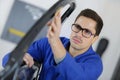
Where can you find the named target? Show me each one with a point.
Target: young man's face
(77, 40)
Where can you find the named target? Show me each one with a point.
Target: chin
(75, 46)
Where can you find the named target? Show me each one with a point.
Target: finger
(28, 60)
(57, 18)
(54, 26)
(58, 11)
(25, 60)
(50, 32)
(57, 14)
(49, 23)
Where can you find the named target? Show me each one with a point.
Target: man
(69, 59)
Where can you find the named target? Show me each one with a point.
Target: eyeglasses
(85, 32)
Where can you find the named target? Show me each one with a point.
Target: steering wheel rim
(16, 59)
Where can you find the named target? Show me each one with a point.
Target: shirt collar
(88, 52)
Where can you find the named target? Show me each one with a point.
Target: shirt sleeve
(5, 59)
(90, 69)
(37, 49)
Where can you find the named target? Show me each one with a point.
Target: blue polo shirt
(87, 66)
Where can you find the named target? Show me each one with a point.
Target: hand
(53, 34)
(28, 60)
(54, 28)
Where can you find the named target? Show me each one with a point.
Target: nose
(79, 33)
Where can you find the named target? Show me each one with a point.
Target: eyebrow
(88, 30)
(84, 28)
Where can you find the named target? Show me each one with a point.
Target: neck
(75, 52)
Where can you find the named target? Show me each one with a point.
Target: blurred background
(18, 16)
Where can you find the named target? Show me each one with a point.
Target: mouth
(76, 40)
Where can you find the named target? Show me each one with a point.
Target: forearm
(58, 49)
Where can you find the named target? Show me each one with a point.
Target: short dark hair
(93, 15)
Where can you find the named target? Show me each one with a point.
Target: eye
(77, 26)
(87, 32)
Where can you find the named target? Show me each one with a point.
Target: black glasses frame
(85, 32)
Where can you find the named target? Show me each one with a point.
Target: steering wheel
(16, 56)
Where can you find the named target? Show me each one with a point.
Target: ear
(94, 39)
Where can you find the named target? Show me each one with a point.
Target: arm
(58, 49)
(89, 69)
(5, 59)
(34, 52)
(68, 67)
(27, 58)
